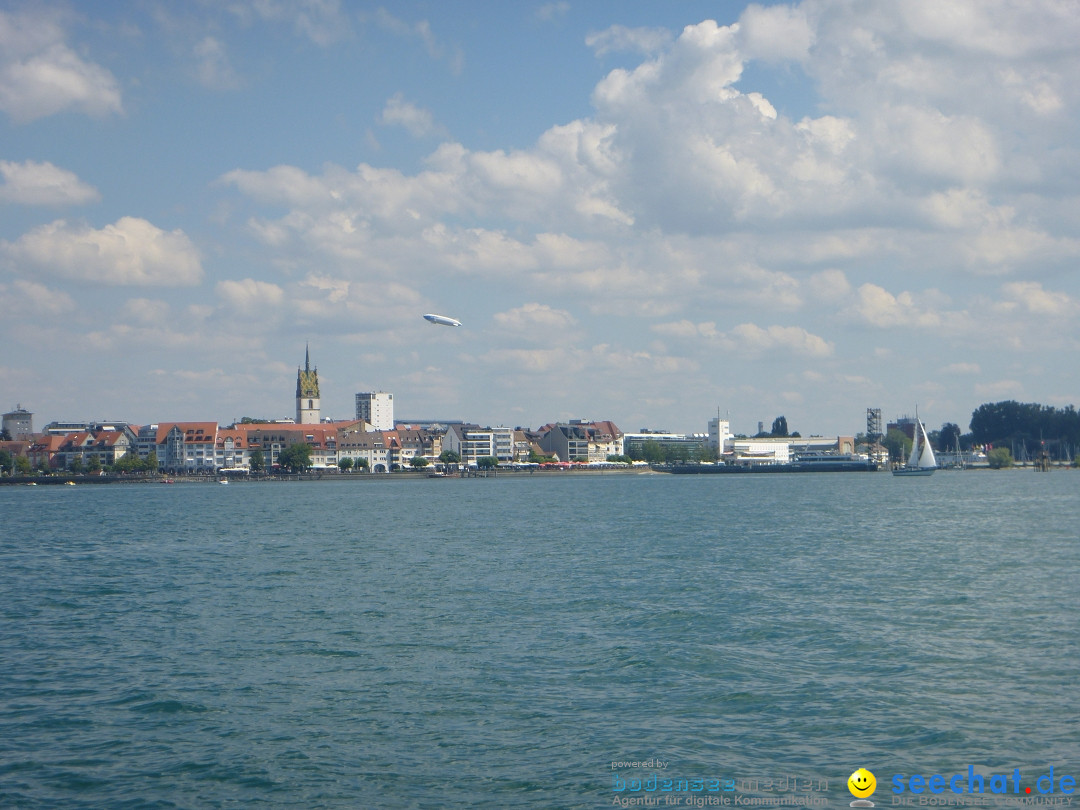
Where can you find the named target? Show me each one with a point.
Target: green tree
(999, 458)
(150, 463)
(620, 459)
(779, 427)
(43, 466)
(449, 457)
(93, 466)
(537, 458)
(256, 460)
(7, 462)
(77, 464)
(23, 466)
(652, 452)
(418, 462)
(948, 436)
(897, 444)
(345, 464)
(487, 463)
(362, 464)
(296, 457)
(248, 420)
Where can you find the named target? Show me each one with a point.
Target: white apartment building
(377, 409)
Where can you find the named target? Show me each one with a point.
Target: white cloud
(776, 33)
(1037, 301)
(324, 22)
(620, 39)
(417, 121)
(32, 183)
(249, 295)
(421, 31)
(781, 338)
(24, 299)
(551, 11)
(687, 329)
(213, 68)
(534, 317)
(829, 285)
(999, 389)
(40, 75)
(147, 311)
(130, 251)
(956, 369)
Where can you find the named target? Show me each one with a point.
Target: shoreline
(314, 477)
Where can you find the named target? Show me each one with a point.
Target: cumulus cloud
(249, 295)
(22, 299)
(792, 339)
(130, 251)
(32, 183)
(399, 112)
(1037, 301)
(40, 75)
(776, 33)
(536, 317)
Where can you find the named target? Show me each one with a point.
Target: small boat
(921, 461)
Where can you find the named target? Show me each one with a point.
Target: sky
(646, 212)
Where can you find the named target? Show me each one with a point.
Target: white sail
(926, 458)
(913, 459)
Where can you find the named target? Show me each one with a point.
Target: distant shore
(108, 478)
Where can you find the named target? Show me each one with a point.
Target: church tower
(307, 392)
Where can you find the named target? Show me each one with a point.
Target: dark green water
(500, 643)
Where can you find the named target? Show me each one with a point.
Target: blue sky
(641, 211)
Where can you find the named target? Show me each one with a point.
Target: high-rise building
(719, 435)
(376, 408)
(19, 424)
(307, 393)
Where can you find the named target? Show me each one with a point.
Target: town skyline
(638, 212)
(308, 368)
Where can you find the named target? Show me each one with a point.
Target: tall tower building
(19, 424)
(376, 408)
(307, 392)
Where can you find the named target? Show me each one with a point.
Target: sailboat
(921, 461)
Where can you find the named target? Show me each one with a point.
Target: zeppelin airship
(442, 320)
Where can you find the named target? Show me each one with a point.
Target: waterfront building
(370, 446)
(719, 437)
(685, 445)
(377, 408)
(181, 447)
(102, 447)
(766, 450)
(472, 442)
(273, 438)
(567, 442)
(19, 424)
(307, 393)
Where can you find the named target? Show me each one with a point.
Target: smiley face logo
(861, 783)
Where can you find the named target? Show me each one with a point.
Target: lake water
(502, 642)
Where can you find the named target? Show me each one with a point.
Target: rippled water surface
(500, 642)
